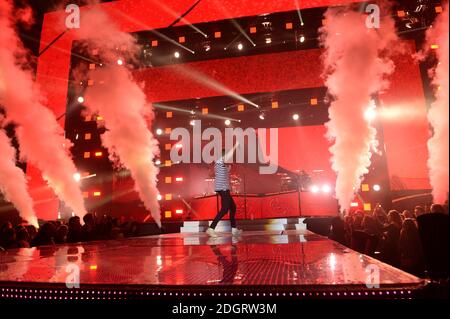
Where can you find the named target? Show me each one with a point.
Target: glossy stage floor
(294, 263)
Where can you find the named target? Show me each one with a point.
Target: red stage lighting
(179, 179)
(179, 211)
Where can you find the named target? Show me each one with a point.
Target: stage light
(354, 204)
(326, 188)
(96, 194)
(227, 122)
(77, 177)
(179, 211)
(159, 131)
(98, 154)
(370, 114)
(207, 47)
(240, 46)
(376, 188)
(302, 39)
(178, 179)
(80, 99)
(159, 197)
(268, 40)
(176, 54)
(158, 162)
(314, 188)
(120, 62)
(192, 122)
(262, 116)
(295, 117)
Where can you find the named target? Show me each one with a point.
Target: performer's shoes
(211, 232)
(236, 231)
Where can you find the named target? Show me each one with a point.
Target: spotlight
(120, 62)
(158, 162)
(314, 188)
(295, 117)
(354, 204)
(302, 39)
(80, 99)
(227, 122)
(370, 114)
(159, 197)
(176, 54)
(77, 177)
(326, 188)
(159, 131)
(268, 40)
(376, 188)
(207, 47)
(240, 46)
(262, 116)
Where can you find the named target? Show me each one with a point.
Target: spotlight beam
(159, 34)
(299, 12)
(234, 22)
(211, 83)
(180, 18)
(177, 109)
(170, 108)
(242, 32)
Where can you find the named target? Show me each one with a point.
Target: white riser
(278, 224)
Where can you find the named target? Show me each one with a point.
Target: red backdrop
(405, 141)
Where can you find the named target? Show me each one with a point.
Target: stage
(289, 264)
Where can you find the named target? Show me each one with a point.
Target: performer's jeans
(228, 204)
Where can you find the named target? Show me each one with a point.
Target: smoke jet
(13, 183)
(354, 69)
(438, 161)
(122, 103)
(40, 137)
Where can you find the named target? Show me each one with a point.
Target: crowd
(398, 239)
(58, 232)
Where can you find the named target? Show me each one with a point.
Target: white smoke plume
(438, 161)
(13, 183)
(355, 66)
(122, 103)
(41, 139)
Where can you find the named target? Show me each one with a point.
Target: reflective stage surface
(293, 258)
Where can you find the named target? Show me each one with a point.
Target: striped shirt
(222, 181)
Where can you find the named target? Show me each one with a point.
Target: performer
(222, 187)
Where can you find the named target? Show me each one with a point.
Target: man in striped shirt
(222, 187)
